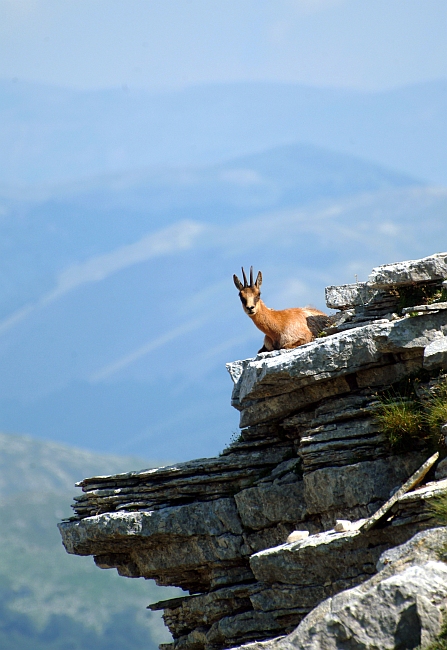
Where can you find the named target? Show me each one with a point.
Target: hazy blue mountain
(119, 320)
(50, 600)
(47, 230)
(51, 134)
(41, 466)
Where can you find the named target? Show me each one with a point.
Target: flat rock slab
(334, 356)
(435, 354)
(325, 558)
(400, 607)
(427, 269)
(204, 479)
(93, 535)
(358, 484)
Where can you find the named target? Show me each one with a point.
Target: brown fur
(283, 329)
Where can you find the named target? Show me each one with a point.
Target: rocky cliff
(311, 451)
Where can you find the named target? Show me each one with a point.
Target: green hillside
(49, 599)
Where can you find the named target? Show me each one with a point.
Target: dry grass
(400, 419)
(435, 410)
(438, 509)
(411, 418)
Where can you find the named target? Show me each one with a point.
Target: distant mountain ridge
(50, 134)
(125, 350)
(38, 466)
(42, 234)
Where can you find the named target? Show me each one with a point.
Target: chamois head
(249, 293)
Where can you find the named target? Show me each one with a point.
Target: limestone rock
(400, 607)
(348, 295)
(262, 506)
(204, 479)
(359, 483)
(427, 269)
(441, 470)
(297, 536)
(435, 354)
(327, 558)
(343, 525)
(306, 371)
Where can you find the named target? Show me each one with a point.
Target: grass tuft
(400, 419)
(412, 295)
(438, 509)
(413, 414)
(435, 411)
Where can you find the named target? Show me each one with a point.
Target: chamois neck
(265, 320)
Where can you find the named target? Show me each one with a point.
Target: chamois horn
(251, 276)
(245, 278)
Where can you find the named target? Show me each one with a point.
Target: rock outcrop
(310, 452)
(402, 606)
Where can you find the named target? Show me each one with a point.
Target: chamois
(284, 329)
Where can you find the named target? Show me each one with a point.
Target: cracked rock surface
(399, 607)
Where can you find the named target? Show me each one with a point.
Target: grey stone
(336, 355)
(427, 269)
(245, 626)
(400, 607)
(211, 518)
(435, 354)
(270, 537)
(424, 546)
(411, 483)
(441, 470)
(342, 443)
(280, 406)
(415, 506)
(326, 558)
(358, 484)
(268, 504)
(437, 306)
(281, 596)
(205, 479)
(283, 472)
(348, 295)
(182, 615)
(400, 612)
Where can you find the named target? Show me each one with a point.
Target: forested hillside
(50, 600)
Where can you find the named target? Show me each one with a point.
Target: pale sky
(150, 44)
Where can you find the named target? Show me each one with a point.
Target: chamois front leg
(268, 345)
(296, 344)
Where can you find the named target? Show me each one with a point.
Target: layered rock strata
(310, 452)
(400, 607)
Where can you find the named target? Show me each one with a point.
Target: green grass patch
(435, 408)
(411, 414)
(401, 420)
(438, 508)
(412, 295)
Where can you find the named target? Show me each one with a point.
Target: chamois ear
(238, 283)
(259, 280)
